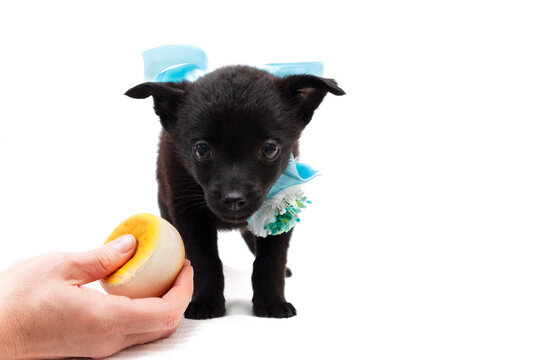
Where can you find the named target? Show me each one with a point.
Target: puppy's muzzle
(234, 201)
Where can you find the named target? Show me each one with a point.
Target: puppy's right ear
(306, 92)
(167, 98)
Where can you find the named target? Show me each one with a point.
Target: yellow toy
(156, 262)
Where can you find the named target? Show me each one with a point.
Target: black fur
(235, 110)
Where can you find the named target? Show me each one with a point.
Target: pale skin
(46, 312)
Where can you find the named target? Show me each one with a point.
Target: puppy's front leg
(199, 233)
(268, 277)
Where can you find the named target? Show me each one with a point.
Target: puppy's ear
(306, 92)
(167, 98)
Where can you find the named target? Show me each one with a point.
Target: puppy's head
(234, 130)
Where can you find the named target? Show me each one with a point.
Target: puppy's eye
(270, 150)
(201, 150)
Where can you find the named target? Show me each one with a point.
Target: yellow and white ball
(156, 262)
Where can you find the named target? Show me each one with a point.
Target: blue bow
(186, 62)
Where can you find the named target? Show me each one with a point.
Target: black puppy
(227, 139)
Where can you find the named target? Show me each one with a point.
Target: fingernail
(124, 244)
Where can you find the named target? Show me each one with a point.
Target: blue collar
(295, 174)
(280, 210)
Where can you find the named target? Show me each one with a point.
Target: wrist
(9, 345)
(11, 342)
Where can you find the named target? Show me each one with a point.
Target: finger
(135, 339)
(183, 278)
(146, 315)
(182, 288)
(96, 264)
(156, 314)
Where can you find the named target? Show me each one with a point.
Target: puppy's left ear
(167, 98)
(306, 92)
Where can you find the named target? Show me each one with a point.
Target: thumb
(96, 264)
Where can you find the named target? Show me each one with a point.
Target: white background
(424, 240)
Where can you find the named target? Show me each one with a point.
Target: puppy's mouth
(236, 217)
(235, 220)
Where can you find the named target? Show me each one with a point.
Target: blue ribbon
(186, 62)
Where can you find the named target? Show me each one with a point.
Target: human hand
(46, 312)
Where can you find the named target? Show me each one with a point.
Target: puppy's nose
(234, 201)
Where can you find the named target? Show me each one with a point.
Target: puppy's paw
(277, 310)
(200, 311)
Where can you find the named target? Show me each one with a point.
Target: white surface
(424, 240)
